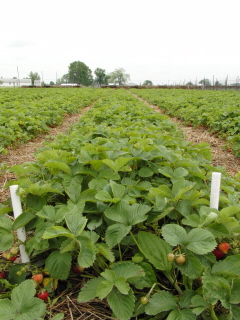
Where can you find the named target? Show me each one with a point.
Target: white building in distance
(10, 82)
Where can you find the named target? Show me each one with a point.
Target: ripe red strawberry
(13, 258)
(38, 278)
(219, 254)
(2, 275)
(77, 269)
(224, 247)
(43, 295)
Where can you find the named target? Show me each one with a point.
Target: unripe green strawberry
(138, 257)
(144, 300)
(14, 251)
(170, 257)
(235, 251)
(180, 259)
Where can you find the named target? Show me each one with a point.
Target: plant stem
(212, 313)
(174, 283)
(136, 241)
(120, 252)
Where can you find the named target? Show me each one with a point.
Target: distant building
(37, 82)
(10, 82)
(131, 84)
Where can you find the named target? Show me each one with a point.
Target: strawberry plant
(25, 114)
(123, 196)
(23, 304)
(216, 110)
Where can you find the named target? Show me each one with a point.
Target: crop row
(125, 199)
(25, 113)
(219, 111)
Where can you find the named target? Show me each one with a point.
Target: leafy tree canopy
(147, 83)
(34, 76)
(119, 76)
(79, 72)
(205, 82)
(101, 77)
(63, 79)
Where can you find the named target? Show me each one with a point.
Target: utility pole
(18, 77)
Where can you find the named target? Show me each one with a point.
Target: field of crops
(121, 205)
(218, 111)
(25, 113)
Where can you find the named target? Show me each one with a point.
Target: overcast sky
(162, 41)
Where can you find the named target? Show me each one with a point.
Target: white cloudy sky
(159, 40)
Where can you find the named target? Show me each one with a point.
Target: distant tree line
(80, 73)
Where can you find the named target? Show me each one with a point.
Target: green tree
(205, 82)
(51, 83)
(119, 76)
(217, 83)
(80, 73)
(147, 83)
(101, 77)
(34, 76)
(63, 79)
(189, 83)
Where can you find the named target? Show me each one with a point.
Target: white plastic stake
(21, 233)
(215, 190)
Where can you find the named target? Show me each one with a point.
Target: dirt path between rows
(25, 152)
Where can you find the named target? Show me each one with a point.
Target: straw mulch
(73, 310)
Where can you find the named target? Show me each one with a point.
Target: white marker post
(215, 190)
(21, 233)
